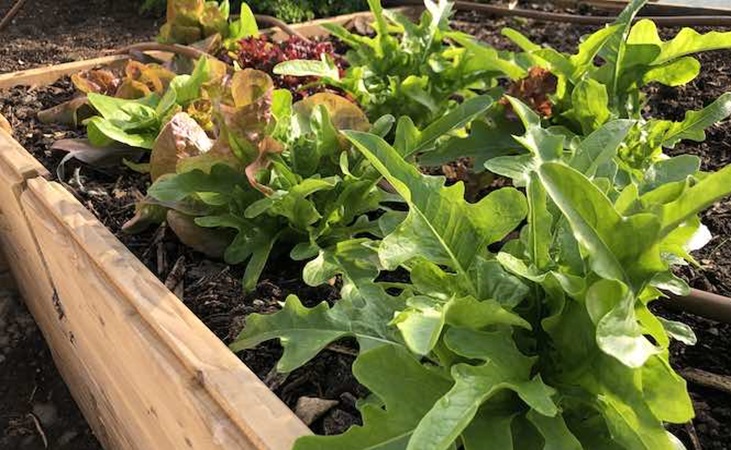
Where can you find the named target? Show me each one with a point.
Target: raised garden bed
(144, 369)
(214, 387)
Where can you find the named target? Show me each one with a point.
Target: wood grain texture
(24, 259)
(170, 382)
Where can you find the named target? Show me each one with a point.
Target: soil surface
(36, 410)
(213, 291)
(52, 32)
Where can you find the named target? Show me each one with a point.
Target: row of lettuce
(522, 317)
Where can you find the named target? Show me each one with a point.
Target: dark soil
(36, 410)
(213, 291)
(52, 32)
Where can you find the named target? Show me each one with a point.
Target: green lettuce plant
(278, 173)
(192, 21)
(420, 70)
(601, 82)
(545, 342)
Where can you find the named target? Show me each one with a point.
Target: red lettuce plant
(261, 53)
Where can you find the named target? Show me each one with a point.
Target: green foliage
(300, 185)
(633, 55)
(190, 21)
(138, 122)
(414, 69)
(300, 11)
(549, 342)
(603, 81)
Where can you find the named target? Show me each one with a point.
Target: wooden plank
(19, 248)
(29, 271)
(40, 76)
(170, 382)
(17, 160)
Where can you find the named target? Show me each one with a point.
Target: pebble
(46, 413)
(309, 409)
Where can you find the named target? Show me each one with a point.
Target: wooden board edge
(315, 28)
(46, 75)
(265, 420)
(18, 160)
(40, 76)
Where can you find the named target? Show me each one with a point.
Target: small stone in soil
(309, 409)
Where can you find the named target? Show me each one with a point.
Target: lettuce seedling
(138, 122)
(137, 81)
(604, 79)
(278, 172)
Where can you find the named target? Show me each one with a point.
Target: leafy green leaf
(304, 68)
(406, 387)
(695, 122)
(440, 225)
(618, 334)
(245, 26)
(618, 247)
(304, 332)
(504, 368)
(696, 198)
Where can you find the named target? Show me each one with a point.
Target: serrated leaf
(504, 368)
(304, 332)
(353, 259)
(441, 225)
(556, 435)
(695, 122)
(695, 199)
(408, 391)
